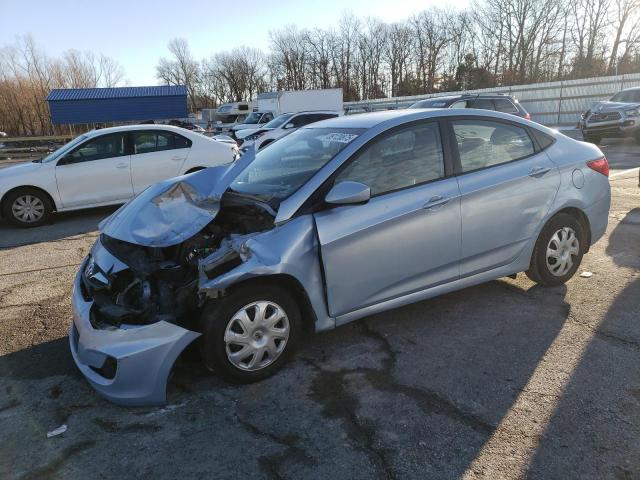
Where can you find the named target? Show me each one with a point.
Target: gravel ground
(504, 380)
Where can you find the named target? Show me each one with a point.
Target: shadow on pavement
(63, 225)
(595, 431)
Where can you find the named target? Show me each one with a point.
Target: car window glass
(408, 157)
(485, 143)
(302, 120)
(106, 146)
(504, 105)
(181, 142)
(460, 104)
(144, 142)
(483, 103)
(266, 118)
(164, 141)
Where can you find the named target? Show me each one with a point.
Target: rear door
(406, 237)
(507, 188)
(97, 171)
(157, 155)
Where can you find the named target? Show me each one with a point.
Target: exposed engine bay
(161, 283)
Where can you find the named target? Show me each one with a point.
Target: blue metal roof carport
(92, 105)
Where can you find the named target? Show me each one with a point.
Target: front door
(507, 190)
(406, 237)
(97, 171)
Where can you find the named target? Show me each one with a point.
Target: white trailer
(292, 101)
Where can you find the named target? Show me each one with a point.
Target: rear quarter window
(543, 140)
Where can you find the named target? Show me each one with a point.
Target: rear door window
(484, 143)
(157, 141)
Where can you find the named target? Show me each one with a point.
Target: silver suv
(618, 117)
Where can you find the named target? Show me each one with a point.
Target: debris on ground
(58, 431)
(586, 274)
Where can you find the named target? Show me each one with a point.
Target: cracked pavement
(503, 380)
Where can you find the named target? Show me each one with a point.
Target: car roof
(144, 126)
(397, 117)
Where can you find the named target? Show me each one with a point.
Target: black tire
(595, 139)
(217, 315)
(539, 270)
(41, 204)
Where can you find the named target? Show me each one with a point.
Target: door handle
(538, 171)
(176, 158)
(122, 165)
(436, 201)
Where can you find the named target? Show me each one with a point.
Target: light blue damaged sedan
(339, 220)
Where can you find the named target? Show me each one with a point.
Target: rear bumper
(598, 215)
(138, 359)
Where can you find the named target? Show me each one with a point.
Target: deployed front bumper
(130, 364)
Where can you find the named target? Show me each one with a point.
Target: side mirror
(288, 126)
(348, 193)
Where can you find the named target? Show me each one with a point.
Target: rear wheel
(27, 207)
(558, 251)
(250, 334)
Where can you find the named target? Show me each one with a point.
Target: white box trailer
(291, 101)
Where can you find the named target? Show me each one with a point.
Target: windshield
(253, 118)
(280, 120)
(65, 148)
(226, 118)
(630, 96)
(281, 169)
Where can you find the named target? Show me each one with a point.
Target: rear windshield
(630, 96)
(431, 103)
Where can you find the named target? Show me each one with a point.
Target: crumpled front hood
(602, 107)
(170, 212)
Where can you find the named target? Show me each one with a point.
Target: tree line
(27, 75)
(492, 43)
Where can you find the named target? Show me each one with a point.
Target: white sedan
(104, 167)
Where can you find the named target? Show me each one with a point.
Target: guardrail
(552, 103)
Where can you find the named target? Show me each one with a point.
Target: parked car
(494, 101)
(336, 221)
(617, 117)
(230, 114)
(104, 167)
(279, 127)
(254, 121)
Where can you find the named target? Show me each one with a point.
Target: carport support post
(560, 103)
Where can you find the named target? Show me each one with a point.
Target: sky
(136, 32)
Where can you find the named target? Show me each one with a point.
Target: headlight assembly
(634, 112)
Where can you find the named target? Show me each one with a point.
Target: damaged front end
(138, 295)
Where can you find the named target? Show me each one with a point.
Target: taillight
(600, 165)
(527, 116)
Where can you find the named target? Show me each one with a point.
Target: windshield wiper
(255, 199)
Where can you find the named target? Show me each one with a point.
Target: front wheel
(250, 334)
(558, 251)
(27, 207)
